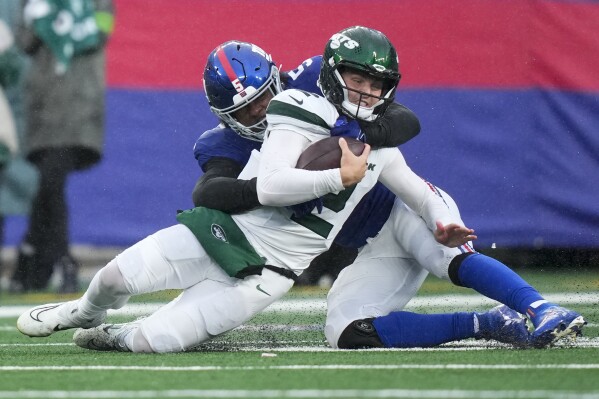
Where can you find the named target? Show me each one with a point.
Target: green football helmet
(368, 51)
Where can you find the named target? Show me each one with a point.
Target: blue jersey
(305, 76)
(373, 210)
(223, 142)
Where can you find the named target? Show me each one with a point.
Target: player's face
(363, 83)
(255, 111)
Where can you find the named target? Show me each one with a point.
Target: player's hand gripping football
(453, 235)
(353, 168)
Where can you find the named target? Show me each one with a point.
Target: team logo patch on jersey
(218, 232)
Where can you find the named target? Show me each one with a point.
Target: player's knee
(454, 268)
(139, 343)
(169, 331)
(111, 279)
(359, 334)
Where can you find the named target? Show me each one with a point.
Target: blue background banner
(507, 93)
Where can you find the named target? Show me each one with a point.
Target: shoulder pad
(225, 143)
(301, 111)
(305, 76)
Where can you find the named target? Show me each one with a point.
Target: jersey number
(334, 202)
(294, 74)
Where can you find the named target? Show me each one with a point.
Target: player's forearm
(219, 188)
(293, 186)
(226, 194)
(281, 184)
(397, 126)
(415, 193)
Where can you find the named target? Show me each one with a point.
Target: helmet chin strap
(357, 111)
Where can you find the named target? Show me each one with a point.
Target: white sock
(476, 324)
(107, 290)
(536, 304)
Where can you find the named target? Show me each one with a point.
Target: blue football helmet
(236, 74)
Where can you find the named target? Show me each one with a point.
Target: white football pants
(389, 270)
(212, 302)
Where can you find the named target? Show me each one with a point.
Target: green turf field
(282, 354)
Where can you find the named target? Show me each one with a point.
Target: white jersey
(296, 119)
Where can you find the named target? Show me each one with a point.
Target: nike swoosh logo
(37, 312)
(300, 102)
(108, 327)
(261, 290)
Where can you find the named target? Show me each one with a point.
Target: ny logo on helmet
(263, 53)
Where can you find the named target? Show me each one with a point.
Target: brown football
(326, 153)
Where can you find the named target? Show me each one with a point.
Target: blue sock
(409, 330)
(495, 280)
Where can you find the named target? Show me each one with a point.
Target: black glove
(398, 125)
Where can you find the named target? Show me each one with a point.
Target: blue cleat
(505, 325)
(555, 323)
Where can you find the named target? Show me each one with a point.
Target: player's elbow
(264, 199)
(197, 197)
(271, 187)
(266, 196)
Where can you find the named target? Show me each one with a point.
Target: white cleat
(45, 320)
(105, 337)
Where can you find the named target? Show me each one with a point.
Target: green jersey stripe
(283, 109)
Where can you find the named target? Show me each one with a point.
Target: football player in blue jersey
(222, 152)
(393, 286)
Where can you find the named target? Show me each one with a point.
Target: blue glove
(305, 208)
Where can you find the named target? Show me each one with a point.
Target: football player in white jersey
(233, 266)
(364, 306)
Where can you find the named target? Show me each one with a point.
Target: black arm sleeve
(220, 189)
(398, 125)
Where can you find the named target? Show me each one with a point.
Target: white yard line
(591, 366)
(308, 394)
(316, 346)
(319, 305)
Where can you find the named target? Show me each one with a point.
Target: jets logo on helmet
(339, 39)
